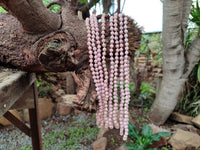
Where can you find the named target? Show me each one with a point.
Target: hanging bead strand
(90, 38)
(115, 94)
(111, 73)
(105, 71)
(107, 96)
(100, 71)
(121, 117)
(95, 74)
(126, 72)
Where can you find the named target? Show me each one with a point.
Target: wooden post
(35, 122)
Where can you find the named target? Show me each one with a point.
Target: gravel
(11, 138)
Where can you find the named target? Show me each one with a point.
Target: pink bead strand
(126, 72)
(111, 73)
(105, 71)
(116, 62)
(91, 57)
(121, 117)
(96, 74)
(100, 70)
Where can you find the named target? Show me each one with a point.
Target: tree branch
(192, 56)
(185, 15)
(33, 15)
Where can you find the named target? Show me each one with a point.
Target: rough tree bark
(31, 43)
(34, 39)
(177, 64)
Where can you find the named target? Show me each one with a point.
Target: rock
(63, 109)
(5, 122)
(45, 107)
(100, 144)
(157, 129)
(68, 99)
(183, 139)
(101, 132)
(123, 147)
(57, 93)
(185, 127)
(196, 121)
(181, 118)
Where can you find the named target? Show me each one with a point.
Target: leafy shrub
(43, 87)
(147, 94)
(146, 138)
(190, 103)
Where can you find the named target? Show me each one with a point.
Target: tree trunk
(42, 42)
(177, 65)
(35, 39)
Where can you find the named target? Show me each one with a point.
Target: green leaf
(198, 73)
(2, 10)
(134, 147)
(157, 136)
(133, 133)
(83, 1)
(147, 131)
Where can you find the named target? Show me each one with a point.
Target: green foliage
(146, 138)
(81, 131)
(113, 140)
(164, 148)
(77, 133)
(83, 1)
(29, 147)
(195, 14)
(193, 25)
(132, 87)
(147, 93)
(39, 82)
(52, 138)
(54, 8)
(190, 103)
(43, 87)
(152, 45)
(147, 89)
(132, 90)
(191, 34)
(198, 73)
(2, 10)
